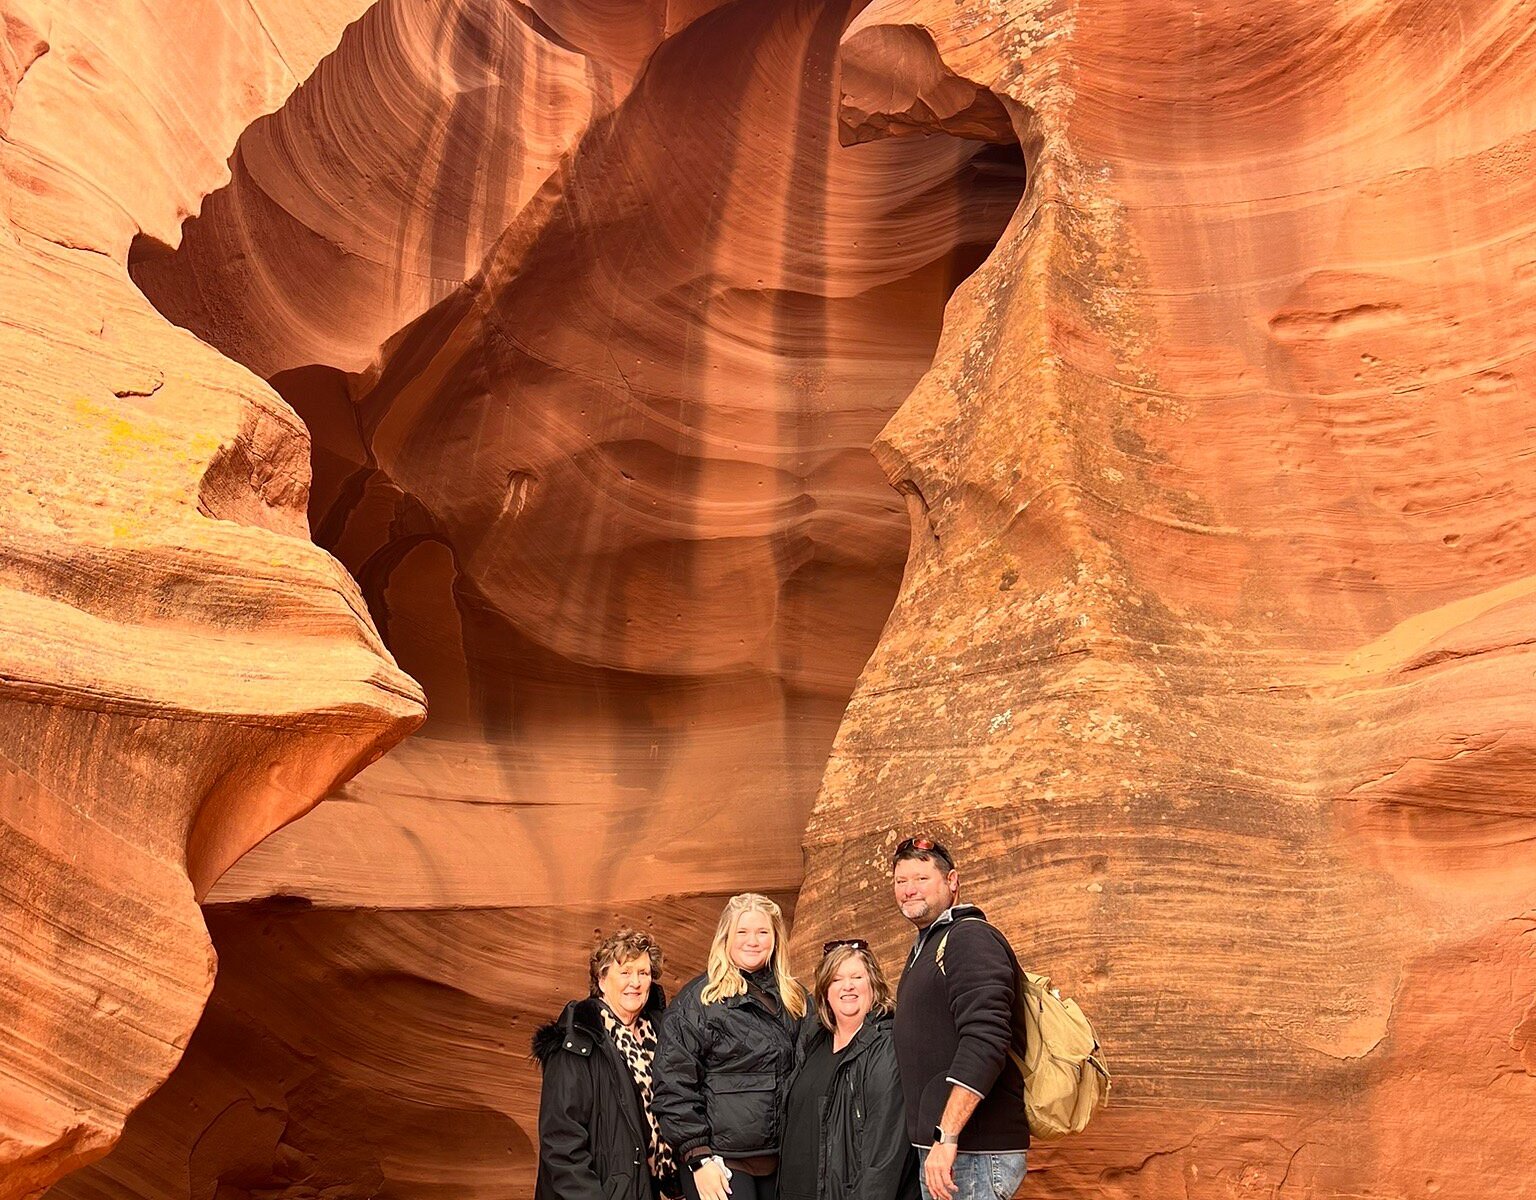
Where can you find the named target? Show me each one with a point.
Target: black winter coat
(863, 1152)
(592, 1129)
(722, 1072)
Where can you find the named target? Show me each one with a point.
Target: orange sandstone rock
(613, 499)
(181, 670)
(606, 491)
(356, 1050)
(1213, 658)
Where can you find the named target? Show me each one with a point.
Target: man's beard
(924, 908)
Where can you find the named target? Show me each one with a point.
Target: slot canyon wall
(1214, 655)
(1197, 620)
(181, 670)
(592, 325)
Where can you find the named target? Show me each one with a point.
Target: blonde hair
(724, 978)
(880, 990)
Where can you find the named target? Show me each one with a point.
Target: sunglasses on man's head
(856, 943)
(926, 845)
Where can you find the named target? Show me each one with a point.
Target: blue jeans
(980, 1176)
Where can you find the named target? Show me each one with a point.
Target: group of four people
(747, 1087)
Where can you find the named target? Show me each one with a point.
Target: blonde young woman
(726, 1053)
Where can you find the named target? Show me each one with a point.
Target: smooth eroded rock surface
(1213, 659)
(592, 330)
(181, 670)
(610, 499)
(355, 1052)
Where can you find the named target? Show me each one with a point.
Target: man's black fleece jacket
(954, 1024)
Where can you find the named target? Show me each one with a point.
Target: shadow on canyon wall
(592, 338)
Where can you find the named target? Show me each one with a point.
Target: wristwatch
(940, 1138)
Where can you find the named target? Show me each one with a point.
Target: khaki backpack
(1057, 1053)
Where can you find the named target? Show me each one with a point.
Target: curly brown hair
(619, 947)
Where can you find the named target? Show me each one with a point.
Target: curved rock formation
(609, 498)
(381, 185)
(353, 1052)
(613, 499)
(181, 670)
(1213, 658)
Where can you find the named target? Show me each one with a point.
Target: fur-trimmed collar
(580, 1027)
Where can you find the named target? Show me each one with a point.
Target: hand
(938, 1171)
(711, 1182)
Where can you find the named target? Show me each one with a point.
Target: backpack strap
(1019, 1041)
(938, 955)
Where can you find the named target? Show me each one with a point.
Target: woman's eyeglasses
(855, 943)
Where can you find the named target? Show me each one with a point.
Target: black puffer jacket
(592, 1129)
(722, 1072)
(863, 1152)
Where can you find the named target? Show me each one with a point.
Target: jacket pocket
(740, 1081)
(743, 1111)
(619, 1187)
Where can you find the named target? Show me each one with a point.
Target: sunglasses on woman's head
(856, 943)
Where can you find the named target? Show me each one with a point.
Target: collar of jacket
(748, 1000)
(948, 917)
(764, 980)
(579, 1029)
(874, 1024)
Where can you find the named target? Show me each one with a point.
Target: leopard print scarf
(637, 1048)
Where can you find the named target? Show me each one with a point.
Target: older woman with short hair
(845, 1126)
(598, 1136)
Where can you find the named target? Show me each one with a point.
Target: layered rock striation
(592, 328)
(181, 670)
(611, 498)
(1213, 658)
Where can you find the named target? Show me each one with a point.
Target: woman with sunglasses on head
(845, 1128)
(727, 1050)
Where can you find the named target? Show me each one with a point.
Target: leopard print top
(637, 1048)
